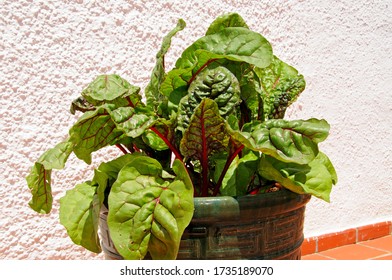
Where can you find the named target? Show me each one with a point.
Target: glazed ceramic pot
(263, 226)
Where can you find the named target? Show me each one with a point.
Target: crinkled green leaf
(224, 21)
(148, 213)
(39, 178)
(217, 84)
(281, 86)
(288, 141)
(232, 43)
(315, 178)
(153, 95)
(79, 214)
(206, 133)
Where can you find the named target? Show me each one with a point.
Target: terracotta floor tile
(383, 243)
(315, 256)
(353, 252)
(386, 257)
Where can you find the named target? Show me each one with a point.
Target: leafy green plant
(211, 126)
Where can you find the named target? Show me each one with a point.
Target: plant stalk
(121, 148)
(227, 165)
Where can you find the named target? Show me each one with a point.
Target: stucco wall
(49, 51)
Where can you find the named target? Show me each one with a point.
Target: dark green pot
(264, 226)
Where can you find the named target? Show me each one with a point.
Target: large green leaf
(288, 141)
(233, 43)
(153, 95)
(218, 84)
(315, 178)
(281, 86)
(39, 178)
(79, 214)
(106, 173)
(80, 207)
(148, 213)
(224, 21)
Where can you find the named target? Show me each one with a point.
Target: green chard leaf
(281, 86)
(108, 125)
(288, 141)
(315, 178)
(153, 95)
(79, 214)
(205, 136)
(39, 179)
(148, 213)
(93, 131)
(81, 206)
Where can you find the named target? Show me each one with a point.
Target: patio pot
(263, 226)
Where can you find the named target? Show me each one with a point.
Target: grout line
(376, 248)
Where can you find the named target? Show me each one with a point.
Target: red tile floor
(374, 249)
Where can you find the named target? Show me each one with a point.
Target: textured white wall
(50, 50)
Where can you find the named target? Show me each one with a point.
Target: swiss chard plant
(211, 126)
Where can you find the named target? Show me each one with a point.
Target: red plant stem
(167, 142)
(227, 165)
(201, 69)
(121, 148)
